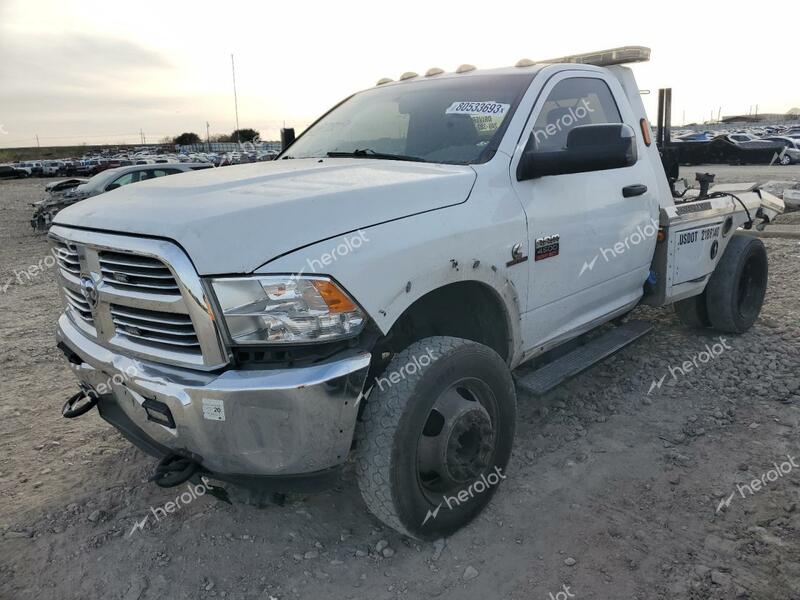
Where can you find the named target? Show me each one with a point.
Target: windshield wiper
(369, 153)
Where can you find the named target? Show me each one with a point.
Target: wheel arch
(468, 309)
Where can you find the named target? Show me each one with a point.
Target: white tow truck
(367, 295)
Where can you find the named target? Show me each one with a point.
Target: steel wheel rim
(458, 440)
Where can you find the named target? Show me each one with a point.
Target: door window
(573, 102)
(125, 179)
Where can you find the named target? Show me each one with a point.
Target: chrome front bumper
(281, 422)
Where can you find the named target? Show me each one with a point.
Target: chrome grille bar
(129, 271)
(79, 305)
(67, 257)
(139, 296)
(154, 327)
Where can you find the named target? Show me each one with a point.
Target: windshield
(450, 120)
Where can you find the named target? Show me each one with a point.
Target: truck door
(591, 234)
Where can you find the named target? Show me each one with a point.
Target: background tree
(244, 135)
(187, 138)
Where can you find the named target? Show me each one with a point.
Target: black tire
(735, 291)
(398, 481)
(693, 312)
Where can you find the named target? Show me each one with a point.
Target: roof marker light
(465, 68)
(524, 62)
(433, 71)
(408, 75)
(384, 80)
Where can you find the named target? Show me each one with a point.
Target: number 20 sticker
(213, 410)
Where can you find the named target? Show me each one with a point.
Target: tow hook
(175, 469)
(75, 407)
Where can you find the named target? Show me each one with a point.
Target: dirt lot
(612, 491)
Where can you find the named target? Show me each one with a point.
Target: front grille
(132, 272)
(67, 258)
(150, 300)
(78, 303)
(154, 328)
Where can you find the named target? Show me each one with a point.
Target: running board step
(552, 374)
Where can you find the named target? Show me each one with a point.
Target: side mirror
(589, 148)
(112, 186)
(287, 137)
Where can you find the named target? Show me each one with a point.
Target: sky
(105, 72)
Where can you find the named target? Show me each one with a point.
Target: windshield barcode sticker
(477, 108)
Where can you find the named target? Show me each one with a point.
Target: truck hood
(232, 220)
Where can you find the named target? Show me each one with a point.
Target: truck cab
(369, 292)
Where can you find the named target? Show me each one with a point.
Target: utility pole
(208, 138)
(719, 115)
(37, 141)
(235, 99)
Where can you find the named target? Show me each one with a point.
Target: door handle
(629, 191)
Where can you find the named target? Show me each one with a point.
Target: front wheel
(436, 436)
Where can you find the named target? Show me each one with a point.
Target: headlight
(280, 309)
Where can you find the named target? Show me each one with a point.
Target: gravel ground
(613, 489)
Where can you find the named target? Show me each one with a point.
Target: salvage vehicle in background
(64, 185)
(51, 168)
(791, 153)
(703, 136)
(35, 167)
(12, 172)
(734, 149)
(62, 194)
(373, 288)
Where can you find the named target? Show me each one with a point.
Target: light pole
(235, 100)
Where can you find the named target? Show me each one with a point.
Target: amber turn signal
(336, 299)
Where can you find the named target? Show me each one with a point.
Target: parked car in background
(35, 167)
(791, 152)
(51, 168)
(107, 180)
(742, 137)
(21, 167)
(11, 172)
(702, 136)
